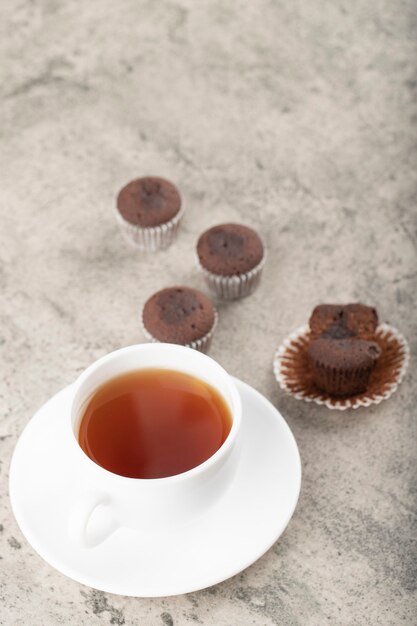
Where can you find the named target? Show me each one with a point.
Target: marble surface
(297, 118)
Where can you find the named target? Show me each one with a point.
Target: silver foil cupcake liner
(233, 287)
(202, 344)
(153, 237)
(292, 370)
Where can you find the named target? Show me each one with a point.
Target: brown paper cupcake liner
(202, 344)
(233, 287)
(153, 237)
(292, 371)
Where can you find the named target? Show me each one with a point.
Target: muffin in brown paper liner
(293, 373)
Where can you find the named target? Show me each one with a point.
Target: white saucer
(235, 533)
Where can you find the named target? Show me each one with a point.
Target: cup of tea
(155, 431)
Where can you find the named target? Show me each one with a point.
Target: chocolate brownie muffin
(360, 319)
(231, 257)
(342, 367)
(149, 212)
(343, 320)
(180, 315)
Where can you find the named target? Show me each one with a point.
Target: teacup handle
(86, 531)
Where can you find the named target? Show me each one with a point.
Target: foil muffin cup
(233, 287)
(152, 237)
(202, 344)
(293, 373)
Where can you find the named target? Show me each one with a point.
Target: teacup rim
(194, 471)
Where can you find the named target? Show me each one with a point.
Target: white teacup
(106, 500)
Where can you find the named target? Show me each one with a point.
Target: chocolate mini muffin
(149, 212)
(360, 319)
(231, 257)
(342, 367)
(180, 315)
(343, 320)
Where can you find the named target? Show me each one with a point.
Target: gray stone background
(296, 117)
